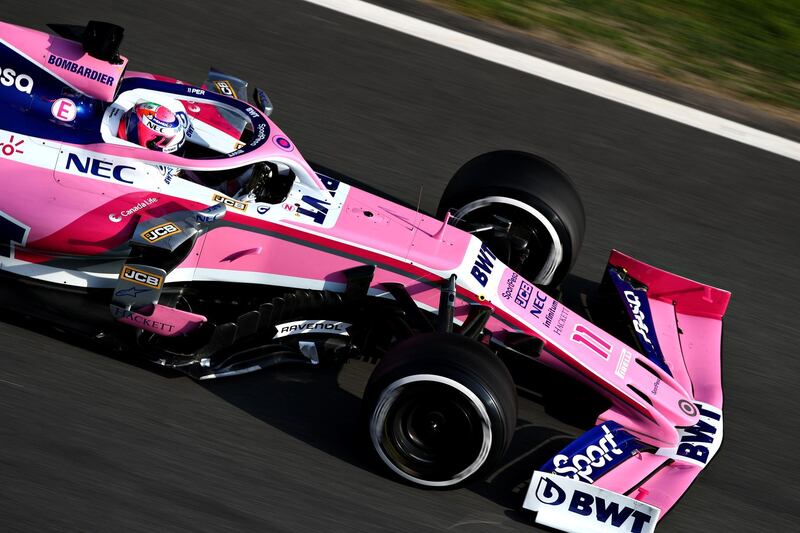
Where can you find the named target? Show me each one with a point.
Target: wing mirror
(262, 101)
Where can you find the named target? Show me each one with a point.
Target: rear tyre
(525, 208)
(440, 410)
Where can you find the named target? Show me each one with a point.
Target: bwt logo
(700, 442)
(161, 232)
(638, 323)
(581, 503)
(483, 266)
(596, 455)
(98, 168)
(141, 277)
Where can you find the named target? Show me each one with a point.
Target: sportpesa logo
(596, 456)
(22, 82)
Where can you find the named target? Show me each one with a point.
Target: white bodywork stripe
(75, 278)
(529, 64)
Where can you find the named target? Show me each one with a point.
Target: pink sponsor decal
(164, 321)
(283, 143)
(545, 310)
(66, 60)
(64, 109)
(590, 339)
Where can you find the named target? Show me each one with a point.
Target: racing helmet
(154, 126)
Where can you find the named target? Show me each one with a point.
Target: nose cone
(663, 393)
(667, 405)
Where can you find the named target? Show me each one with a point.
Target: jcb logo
(160, 232)
(141, 277)
(224, 87)
(230, 202)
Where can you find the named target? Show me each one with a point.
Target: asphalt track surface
(92, 442)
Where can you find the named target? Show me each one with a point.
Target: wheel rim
(431, 430)
(526, 223)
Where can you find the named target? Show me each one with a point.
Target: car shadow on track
(307, 403)
(321, 406)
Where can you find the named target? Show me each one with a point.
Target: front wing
(608, 481)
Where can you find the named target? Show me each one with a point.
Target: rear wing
(606, 479)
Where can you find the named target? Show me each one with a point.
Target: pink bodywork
(69, 216)
(694, 357)
(58, 55)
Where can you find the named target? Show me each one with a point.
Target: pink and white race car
(233, 254)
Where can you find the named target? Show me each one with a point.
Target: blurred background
(744, 49)
(90, 441)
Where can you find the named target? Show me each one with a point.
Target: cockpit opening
(264, 181)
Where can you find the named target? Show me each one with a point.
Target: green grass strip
(748, 48)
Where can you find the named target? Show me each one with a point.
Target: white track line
(563, 75)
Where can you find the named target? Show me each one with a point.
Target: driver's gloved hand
(259, 185)
(270, 183)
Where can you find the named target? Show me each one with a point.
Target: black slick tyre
(440, 410)
(524, 207)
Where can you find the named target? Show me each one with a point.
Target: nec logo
(100, 169)
(538, 304)
(161, 232)
(589, 506)
(483, 266)
(210, 214)
(141, 277)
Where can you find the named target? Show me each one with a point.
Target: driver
(157, 127)
(153, 126)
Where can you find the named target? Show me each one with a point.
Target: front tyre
(524, 208)
(440, 410)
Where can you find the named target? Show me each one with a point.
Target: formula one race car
(232, 254)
